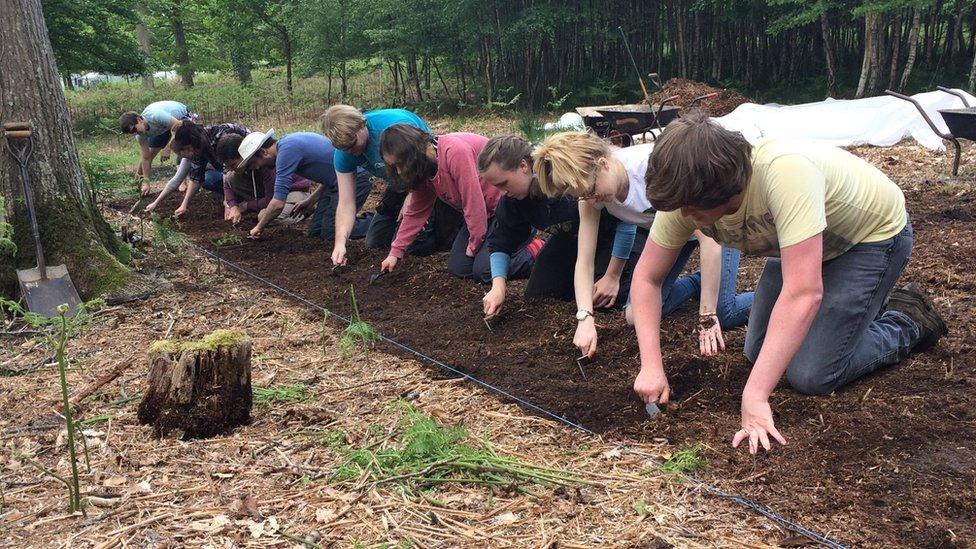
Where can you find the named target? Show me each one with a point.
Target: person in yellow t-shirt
(836, 235)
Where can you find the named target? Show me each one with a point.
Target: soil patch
(885, 462)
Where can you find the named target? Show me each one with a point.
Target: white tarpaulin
(881, 121)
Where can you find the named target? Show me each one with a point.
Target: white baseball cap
(251, 143)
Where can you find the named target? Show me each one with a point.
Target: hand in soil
(605, 292)
(232, 214)
(151, 206)
(339, 255)
(651, 385)
(493, 302)
(710, 340)
(585, 338)
(757, 425)
(254, 234)
(144, 189)
(178, 212)
(388, 264)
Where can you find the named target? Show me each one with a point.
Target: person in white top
(585, 167)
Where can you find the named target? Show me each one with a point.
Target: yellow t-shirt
(798, 190)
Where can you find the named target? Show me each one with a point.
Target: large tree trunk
(72, 229)
(871, 20)
(912, 49)
(142, 34)
(201, 388)
(182, 53)
(972, 76)
(242, 68)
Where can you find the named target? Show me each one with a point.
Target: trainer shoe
(912, 301)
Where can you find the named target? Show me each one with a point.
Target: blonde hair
(566, 163)
(341, 123)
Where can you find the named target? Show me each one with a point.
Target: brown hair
(408, 145)
(506, 151)
(127, 122)
(566, 163)
(227, 147)
(341, 123)
(696, 162)
(190, 135)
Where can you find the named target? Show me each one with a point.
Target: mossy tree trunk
(72, 229)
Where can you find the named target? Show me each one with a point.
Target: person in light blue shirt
(309, 155)
(356, 137)
(155, 127)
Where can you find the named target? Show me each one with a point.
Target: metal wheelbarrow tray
(960, 122)
(638, 118)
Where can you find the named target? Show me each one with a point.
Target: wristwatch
(582, 314)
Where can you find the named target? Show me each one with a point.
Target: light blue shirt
(371, 159)
(160, 114)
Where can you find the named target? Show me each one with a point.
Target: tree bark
(972, 76)
(202, 389)
(870, 41)
(896, 32)
(142, 34)
(242, 68)
(72, 229)
(912, 49)
(829, 55)
(182, 53)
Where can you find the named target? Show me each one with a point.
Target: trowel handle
(17, 134)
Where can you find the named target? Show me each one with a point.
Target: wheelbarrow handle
(17, 134)
(921, 111)
(701, 98)
(957, 94)
(11, 126)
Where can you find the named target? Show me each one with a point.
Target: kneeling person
(837, 237)
(306, 154)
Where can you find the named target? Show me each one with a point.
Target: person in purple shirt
(309, 155)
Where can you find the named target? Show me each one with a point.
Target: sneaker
(912, 302)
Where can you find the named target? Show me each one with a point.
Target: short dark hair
(698, 163)
(228, 147)
(506, 151)
(408, 144)
(127, 122)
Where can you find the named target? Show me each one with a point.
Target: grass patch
(685, 460)
(227, 239)
(264, 397)
(165, 235)
(425, 454)
(358, 334)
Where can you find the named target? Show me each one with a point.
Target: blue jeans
(732, 309)
(479, 266)
(213, 181)
(850, 336)
(323, 220)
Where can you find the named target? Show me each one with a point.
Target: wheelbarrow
(960, 122)
(45, 287)
(619, 122)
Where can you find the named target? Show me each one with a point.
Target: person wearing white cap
(306, 154)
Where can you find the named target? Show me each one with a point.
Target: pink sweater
(458, 184)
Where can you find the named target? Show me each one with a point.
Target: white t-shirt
(636, 209)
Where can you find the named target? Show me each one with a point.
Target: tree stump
(201, 387)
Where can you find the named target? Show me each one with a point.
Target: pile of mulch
(688, 90)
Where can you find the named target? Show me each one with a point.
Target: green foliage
(164, 233)
(7, 245)
(10, 309)
(227, 239)
(264, 397)
(93, 35)
(685, 460)
(106, 180)
(358, 333)
(640, 508)
(425, 454)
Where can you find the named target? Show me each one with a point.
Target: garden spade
(45, 287)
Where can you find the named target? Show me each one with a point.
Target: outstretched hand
(757, 425)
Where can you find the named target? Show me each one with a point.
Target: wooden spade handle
(13, 126)
(18, 134)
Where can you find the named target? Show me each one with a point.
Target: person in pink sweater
(445, 168)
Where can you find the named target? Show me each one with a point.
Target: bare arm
(645, 300)
(345, 215)
(586, 337)
(794, 311)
